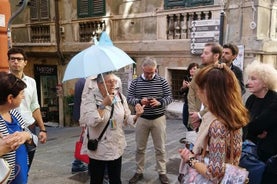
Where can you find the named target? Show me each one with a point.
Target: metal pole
(221, 27)
(14, 15)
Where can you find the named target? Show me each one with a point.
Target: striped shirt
(157, 88)
(10, 157)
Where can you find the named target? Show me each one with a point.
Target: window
(186, 3)
(39, 10)
(174, 3)
(90, 8)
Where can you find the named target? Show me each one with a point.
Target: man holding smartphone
(153, 91)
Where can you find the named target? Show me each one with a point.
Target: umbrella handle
(105, 84)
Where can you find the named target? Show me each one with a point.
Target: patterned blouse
(219, 147)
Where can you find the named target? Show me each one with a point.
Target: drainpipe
(221, 27)
(61, 60)
(14, 15)
(58, 33)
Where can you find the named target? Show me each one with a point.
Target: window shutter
(186, 3)
(83, 8)
(172, 3)
(44, 9)
(34, 10)
(98, 7)
(201, 2)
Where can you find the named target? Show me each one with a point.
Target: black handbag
(93, 143)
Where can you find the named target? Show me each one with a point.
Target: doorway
(46, 78)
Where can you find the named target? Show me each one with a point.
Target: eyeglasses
(111, 82)
(19, 59)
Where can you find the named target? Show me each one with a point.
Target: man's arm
(167, 94)
(42, 130)
(192, 97)
(194, 105)
(36, 113)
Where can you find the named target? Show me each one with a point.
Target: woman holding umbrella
(103, 105)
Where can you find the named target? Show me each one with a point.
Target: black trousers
(97, 170)
(31, 154)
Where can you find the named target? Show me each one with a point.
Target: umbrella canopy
(100, 58)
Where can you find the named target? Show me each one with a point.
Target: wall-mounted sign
(202, 32)
(46, 69)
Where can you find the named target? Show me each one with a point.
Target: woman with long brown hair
(221, 127)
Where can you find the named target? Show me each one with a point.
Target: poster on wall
(240, 58)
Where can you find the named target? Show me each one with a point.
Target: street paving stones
(52, 162)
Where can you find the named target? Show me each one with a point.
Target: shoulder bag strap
(103, 131)
(120, 96)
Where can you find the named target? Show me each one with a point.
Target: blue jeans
(77, 164)
(250, 161)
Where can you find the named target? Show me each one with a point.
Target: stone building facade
(53, 31)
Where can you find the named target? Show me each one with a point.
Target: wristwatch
(101, 107)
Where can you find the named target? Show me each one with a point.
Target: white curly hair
(265, 72)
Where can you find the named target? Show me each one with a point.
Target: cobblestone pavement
(52, 162)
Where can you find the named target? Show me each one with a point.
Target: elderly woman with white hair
(262, 128)
(105, 112)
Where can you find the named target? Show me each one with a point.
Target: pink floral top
(219, 138)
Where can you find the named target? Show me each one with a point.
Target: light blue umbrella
(99, 58)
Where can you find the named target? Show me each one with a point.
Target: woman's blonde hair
(223, 95)
(265, 72)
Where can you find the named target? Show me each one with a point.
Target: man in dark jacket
(229, 54)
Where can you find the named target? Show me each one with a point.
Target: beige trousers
(157, 128)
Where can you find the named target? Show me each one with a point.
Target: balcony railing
(87, 30)
(178, 21)
(40, 34)
(178, 25)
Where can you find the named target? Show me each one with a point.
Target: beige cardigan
(112, 144)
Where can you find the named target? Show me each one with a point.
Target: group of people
(216, 111)
(103, 104)
(213, 106)
(19, 116)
